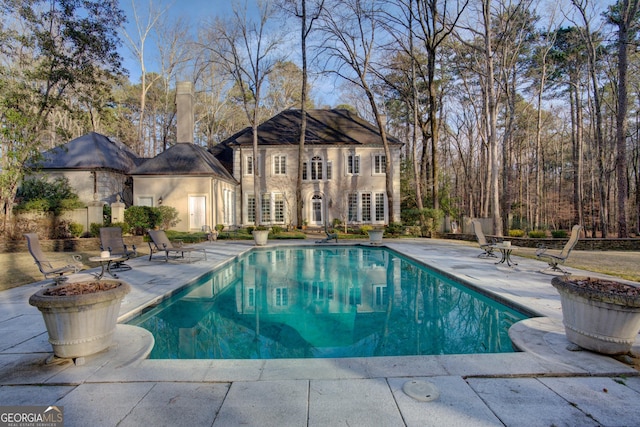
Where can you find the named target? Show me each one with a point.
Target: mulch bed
(81, 288)
(606, 286)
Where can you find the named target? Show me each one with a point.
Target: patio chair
(553, 259)
(487, 247)
(160, 243)
(111, 240)
(45, 266)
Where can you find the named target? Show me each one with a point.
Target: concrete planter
(605, 319)
(375, 236)
(81, 325)
(260, 237)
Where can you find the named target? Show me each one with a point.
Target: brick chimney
(184, 111)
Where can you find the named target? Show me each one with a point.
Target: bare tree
(243, 48)
(307, 19)
(350, 29)
(589, 37)
(137, 44)
(436, 21)
(624, 14)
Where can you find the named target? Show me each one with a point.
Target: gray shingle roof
(184, 159)
(333, 127)
(90, 151)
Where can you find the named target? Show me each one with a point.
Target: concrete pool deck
(542, 386)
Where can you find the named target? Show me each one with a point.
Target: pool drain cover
(422, 391)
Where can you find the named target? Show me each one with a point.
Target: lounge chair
(487, 247)
(45, 266)
(553, 259)
(160, 243)
(111, 240)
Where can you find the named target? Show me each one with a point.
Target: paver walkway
(544, 385)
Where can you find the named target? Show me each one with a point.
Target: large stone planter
(375, 236)
(599, 315)
(260, 237)
(81, 324)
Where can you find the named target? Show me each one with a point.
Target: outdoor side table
(105, 263)
(505, 250)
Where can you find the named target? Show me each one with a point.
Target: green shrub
(537, 234)
(516, 233)
(69, 204)
(123, 225)
(33, 205)
(364, 229)
(94, 229)
(75, 229)
(168, 217)
(395, 229)
(39, 194)
(106, 214)
(139, 219)
(219, 228)
(276, 229)
(559, 234)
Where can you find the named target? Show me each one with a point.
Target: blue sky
(195, 12)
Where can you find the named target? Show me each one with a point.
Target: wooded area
(526, 112)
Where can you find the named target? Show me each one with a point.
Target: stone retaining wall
(68, 245)
(584, 244)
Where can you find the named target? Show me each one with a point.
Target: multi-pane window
(380, 296)
(316, 208)
(305, 174)
(366, 207)
(353, 207)
(379, 163)
(251, 297)
(278, 208)
(249, 165)
(353, 164)
(266, 207)
(281, 297)
(329, 169)
(379, 203)
(316, 168)
(251, 209)
(279, 165)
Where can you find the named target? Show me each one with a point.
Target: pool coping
(540, 339)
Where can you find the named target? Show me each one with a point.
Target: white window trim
(374, 163)
(245, 170)
(355, 159)
(273, 164)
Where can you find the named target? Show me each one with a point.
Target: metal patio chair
(487, 247)
(111, 240)
(45, 266)
(553, 259)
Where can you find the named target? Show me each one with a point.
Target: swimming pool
(329, 301)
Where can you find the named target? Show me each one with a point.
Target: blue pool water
(315, 302)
